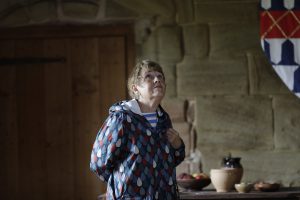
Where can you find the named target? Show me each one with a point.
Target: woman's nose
(156, 79)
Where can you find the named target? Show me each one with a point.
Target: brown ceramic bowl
(193, 184)
(267, 187)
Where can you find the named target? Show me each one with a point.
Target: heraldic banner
(280, 39)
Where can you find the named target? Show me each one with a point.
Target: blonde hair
(134, 77)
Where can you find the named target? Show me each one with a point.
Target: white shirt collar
(134, 107)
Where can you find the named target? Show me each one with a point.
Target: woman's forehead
(144, 71)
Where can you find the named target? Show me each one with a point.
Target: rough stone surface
(19, 17)
(169, 44)
(258, 165)
(42, 11)
(185, 11)
(287, 122)
(176, 108)
(80, 10)
(232, 40)
(208, 77)
(153, 7)
(165, 21)
(170, 74)
(241, 105)
(196, 40)
(262, 77)
(212, 156)
(169, 17)
(142, 29)
(235, 122)
(216, 11)
(115, 10)
(190, 113)
(183, 129)
(270, 166)
(149, 47)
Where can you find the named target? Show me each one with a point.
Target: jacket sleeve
(179, 154)
(107, 148)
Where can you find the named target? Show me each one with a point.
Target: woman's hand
(174, 138)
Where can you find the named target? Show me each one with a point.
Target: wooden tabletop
(292, 193)
(283, 193)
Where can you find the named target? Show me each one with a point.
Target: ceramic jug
(232, 162)
(235, 164)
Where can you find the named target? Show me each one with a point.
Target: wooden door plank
(83, 59)
(112, 72)
(129, 55)
(8, 126)
(31, 123)
(42, 126)
(59, 136)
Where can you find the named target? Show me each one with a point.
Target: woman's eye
(148, 76)
(160, 77)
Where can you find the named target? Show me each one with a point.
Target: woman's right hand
(174, 138)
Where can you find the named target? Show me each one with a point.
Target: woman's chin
(158, 95)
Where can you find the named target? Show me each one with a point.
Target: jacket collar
(134, 107)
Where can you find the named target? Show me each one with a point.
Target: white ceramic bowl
(223, 179)
(243, 187)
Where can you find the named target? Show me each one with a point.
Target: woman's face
(151, 85)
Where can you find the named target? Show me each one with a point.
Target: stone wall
(223, 95)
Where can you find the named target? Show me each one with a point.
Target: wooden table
(283, 193)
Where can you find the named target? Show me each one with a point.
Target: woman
(136, 150)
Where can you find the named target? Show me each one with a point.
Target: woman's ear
(135, 91)
(134, 88)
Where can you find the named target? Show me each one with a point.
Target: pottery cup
(243, 187)
(223, 179)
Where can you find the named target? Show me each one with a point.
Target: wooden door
(56, 85)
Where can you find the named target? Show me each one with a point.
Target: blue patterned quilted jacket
(135, 159)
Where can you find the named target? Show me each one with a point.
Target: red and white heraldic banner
(280, 39)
